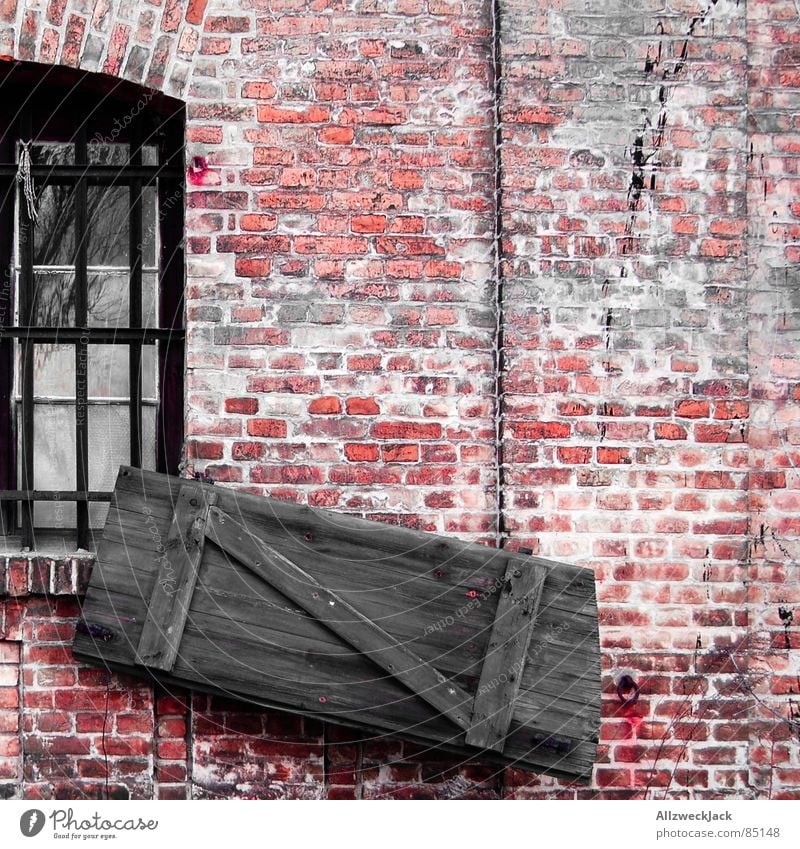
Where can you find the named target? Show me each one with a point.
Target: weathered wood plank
(310, 650)
(247, 640)
(350, 539)
(130, 564)
(430, 734)
(261, 670)
(506, 656)
(179, 564)
(358, 630)
(126, 563)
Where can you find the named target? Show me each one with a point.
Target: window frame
(75, 107)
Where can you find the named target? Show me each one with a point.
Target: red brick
(195, 11)
(613, 455)
(134, 723)
(540, 430)
(73, 38)
(250, 267)
(258, 223)
(400, 453)
(368, 223)
(693, 409)
(326, 406)
(247, 451)
(731, 410)
(260, 90)
(336, 135)
(330, 245)
(278, 115)
(718, 433)
(286, 474)
(574, 454)
(253, 244)
(362, 407)
(361, 453)
(406, 430)
(767, 480)
(714, 480)
(116, 49)
(274, 428)
(243, 406)
(297, 385)
(668, 430)
(206, 450)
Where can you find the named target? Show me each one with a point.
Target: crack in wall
(499, 364)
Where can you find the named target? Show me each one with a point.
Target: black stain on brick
(787, 617)
(646, 156)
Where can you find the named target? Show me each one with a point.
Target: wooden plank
(129, 566)
(349, 623)
(348, 538)
(506, 656)
(294, 651)
(455, 649)
(179, 563)
(214, 657)
(245, 639)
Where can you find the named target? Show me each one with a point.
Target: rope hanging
(24, 177)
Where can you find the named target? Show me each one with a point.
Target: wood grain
(437, 596)
(341, 617)
(178, 567)
(506, 656)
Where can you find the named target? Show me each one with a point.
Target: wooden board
(177, 576)
(435, 597)
(506, 656)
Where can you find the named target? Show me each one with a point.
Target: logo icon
(31, 822)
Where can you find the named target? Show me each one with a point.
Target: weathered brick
(342, 266)
(274, 428)
(362, 407)
(327, 406)
(360, 453)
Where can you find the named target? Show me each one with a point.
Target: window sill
(54, 546)
(56, 567)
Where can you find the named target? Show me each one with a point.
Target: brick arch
(144, 44)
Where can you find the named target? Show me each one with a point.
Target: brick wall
(773, 237)
(359, 297)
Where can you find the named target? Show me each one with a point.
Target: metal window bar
(94, 174)
(81, 345)
(54, 495)
(169, 439)
(25, 240)
(136, 261)
(98, 335)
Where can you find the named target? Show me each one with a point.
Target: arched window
(91, 300)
